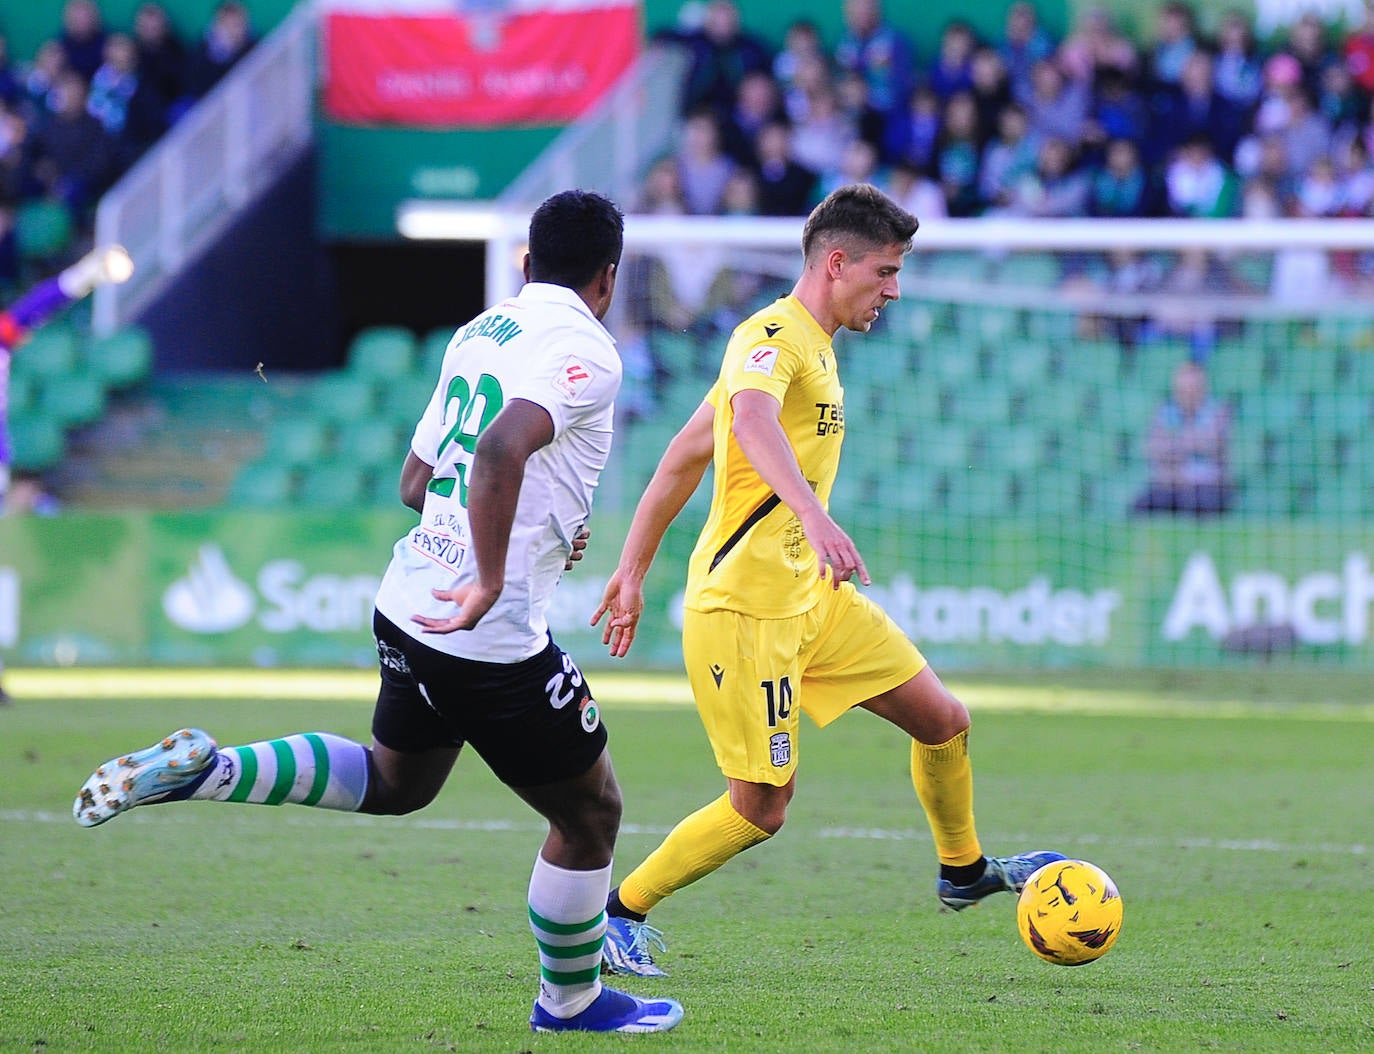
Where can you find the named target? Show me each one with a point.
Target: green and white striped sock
(568, 917)
(313, 768)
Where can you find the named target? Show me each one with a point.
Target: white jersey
(544, 346)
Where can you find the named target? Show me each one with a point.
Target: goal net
(997, 470)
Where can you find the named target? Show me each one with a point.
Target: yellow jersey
(752, 556)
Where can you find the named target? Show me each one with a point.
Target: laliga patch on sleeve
(761, 360)
(572, 378)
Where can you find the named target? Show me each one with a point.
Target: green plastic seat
(122, 359)
(295, 441)
(42, 230)
(333, 485)
(342, 397)
(36, 442)
(382, 352)
(51, 351)
(431, 352)
(370, 443)
(262, 485)
(73, 400)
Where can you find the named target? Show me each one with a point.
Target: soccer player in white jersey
(502, 468)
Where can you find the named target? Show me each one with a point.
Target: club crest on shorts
(591, 714)
(780, 748)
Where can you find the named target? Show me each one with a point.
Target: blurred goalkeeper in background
(773, 625)
(38, 305)
(502, 468)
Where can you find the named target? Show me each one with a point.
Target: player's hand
(579, 543)
(473, 602)
(624, 599)
(835, 552)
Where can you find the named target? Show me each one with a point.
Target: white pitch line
(859, 834)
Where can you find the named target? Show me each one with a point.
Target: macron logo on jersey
(761, 360)
(572, 378)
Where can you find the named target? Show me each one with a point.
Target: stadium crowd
(1181, 124)
(93, 98)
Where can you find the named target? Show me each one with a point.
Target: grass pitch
(1233, 812)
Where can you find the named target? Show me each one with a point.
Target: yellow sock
(694, 848)
(943, 777)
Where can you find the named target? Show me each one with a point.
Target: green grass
(1233, 812)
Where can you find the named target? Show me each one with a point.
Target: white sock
(312, 768)
(568, 917)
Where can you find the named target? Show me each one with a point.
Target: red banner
(451, 71)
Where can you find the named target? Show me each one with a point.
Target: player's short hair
(858, 216)
(573, 236)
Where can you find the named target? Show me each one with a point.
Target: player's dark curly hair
(573, 236)
(858, 213)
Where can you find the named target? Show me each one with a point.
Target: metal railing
(225, 151)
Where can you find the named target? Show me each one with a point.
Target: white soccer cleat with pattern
(150, 775)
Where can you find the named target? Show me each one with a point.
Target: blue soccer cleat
(153, 774)
(627, 948)
(613, 1012)
(1004, 873)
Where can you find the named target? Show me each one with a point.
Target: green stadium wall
(272, 589)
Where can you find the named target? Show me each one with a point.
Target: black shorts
(532, 722)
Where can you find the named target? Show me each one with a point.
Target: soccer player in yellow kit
(773, 624)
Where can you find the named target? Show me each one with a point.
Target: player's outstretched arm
(759, 432)
(677, 477)
(498, 471)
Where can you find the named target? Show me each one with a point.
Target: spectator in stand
(1008, 159)
(1175, 40)
(1340, 102)
(801, 44)
(1188, 448)
(852, 92)
(1307, 136)
(820, 137)
(860, 163)
(1120, 189)
(1094, 47)
(161, 57)
(1272, 167)
(83, 37)
(1191, 109)
(916, 192)
(703, 167)
(653, 301)
(757, 103)
(1117, 111)
(912, 134)
(786, 188)
(1056, 106)
(74, 157)
(1259, 200)
(880, 52)
(991, 90)
(14, 145)
(227, 39)
(40, 81)
(1359, 51)
(1197, 184)
(812, 76)
(1319, 191)
(1054, 190)
(1357, 179)
(1238, 69)
(1307, 42)
(953, 68)
(956, 156)
(126, 105)
(1024, 44)
(722, 52)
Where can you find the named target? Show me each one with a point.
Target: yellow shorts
(752, 677)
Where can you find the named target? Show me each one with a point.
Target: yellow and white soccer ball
(1069, 912)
